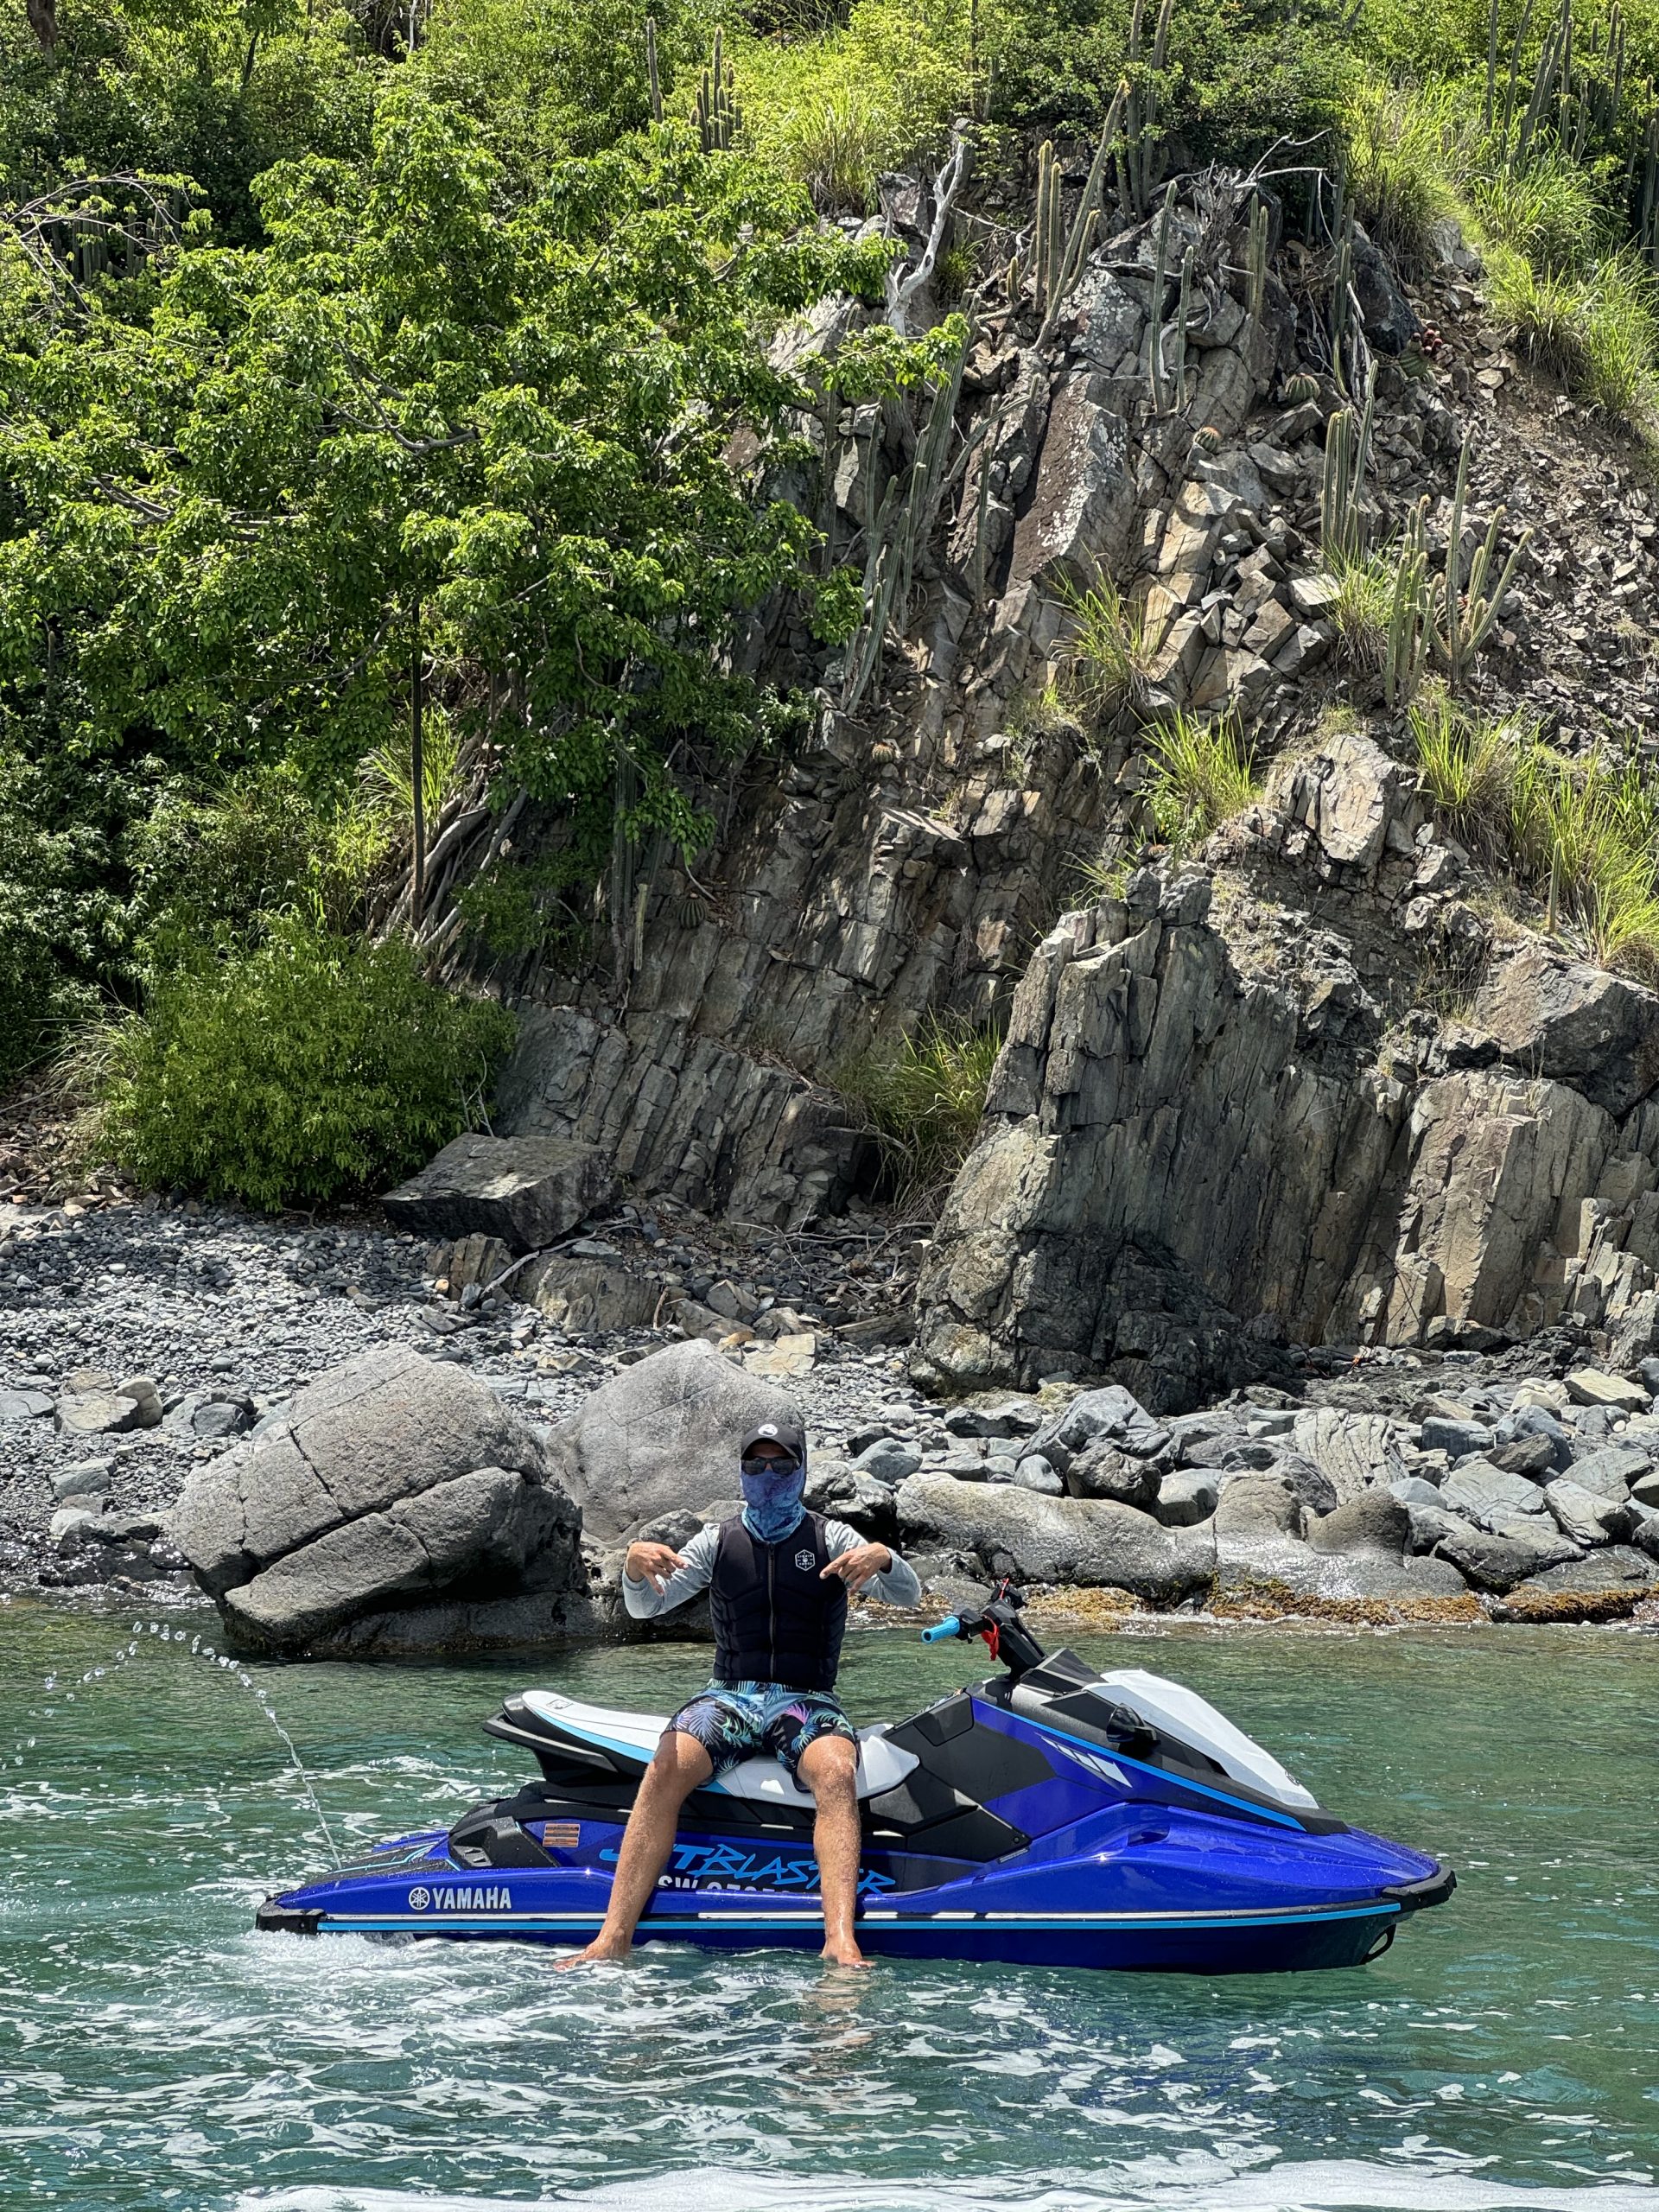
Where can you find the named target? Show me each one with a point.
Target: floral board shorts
(734, 1721)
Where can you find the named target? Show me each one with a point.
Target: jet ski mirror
(997, 1621)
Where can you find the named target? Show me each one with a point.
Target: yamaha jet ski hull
(1051, 1816)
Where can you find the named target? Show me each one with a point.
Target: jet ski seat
(881, 1765)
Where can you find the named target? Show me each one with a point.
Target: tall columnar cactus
(652, 79)
(1462, 616)
(1256, 262)
(1045, 247)
(1065, 260)
(1183, 312)
(1406, 654)
(1155, 326)
(1343, 521)
(719, 116)
(1141, 155)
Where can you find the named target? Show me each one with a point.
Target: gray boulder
(1610, 1473)
(1352, 1451)
(1309, 1481)
(1100, 1469)
(480, 1531)
(588, 1297)
(1478, 1490)
(844, 1492)
(1187, 1496)
(369, 1492)
(527, 1191)
(1587, 1515)
(1096, 1542)
(1374, 1522)
(24, 1405)
(1034, 1473)
(662, 1433)
(1457, 1439)
(1111, 1416)
(1498, 1563)
(889, 1459)
(1605, 1585)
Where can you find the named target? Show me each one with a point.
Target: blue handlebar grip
(945, 1629)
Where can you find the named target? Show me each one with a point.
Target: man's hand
(856, 1568)
(652, 1563)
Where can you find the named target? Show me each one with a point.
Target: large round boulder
(662, 1436)
(393, 1482)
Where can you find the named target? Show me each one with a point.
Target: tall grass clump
(1199, 777)
(923, 1103)
(307, 1068)
(1365, 604)
(834, 111)
(1467, 766)
(1583, 833)
(1397, 138)
(1107, 658)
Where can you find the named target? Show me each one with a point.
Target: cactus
(1299, 389)
(1343, 519)
(691, 912)
(1141, 150)
(1045, 227)
(1065, 263)
(651, 76)
(1182, 316)
(1258, 263)
(1207, 441)
(719, 116)
(1155, 329)
(884, 754)
(1466, 615)
(1407, 652)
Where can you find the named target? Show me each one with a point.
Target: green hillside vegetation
(359, 362)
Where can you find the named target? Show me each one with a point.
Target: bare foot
(604, 1950)
(842, 1951)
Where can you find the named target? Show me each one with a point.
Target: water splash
(224, 1666)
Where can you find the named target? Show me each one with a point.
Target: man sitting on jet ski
(778, 1579)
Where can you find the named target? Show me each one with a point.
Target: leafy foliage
(307, 1068)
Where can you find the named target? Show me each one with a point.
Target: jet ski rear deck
(1049, 1815)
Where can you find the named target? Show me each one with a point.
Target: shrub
(1583, 833)
(219, 863)
(307, 1068)
(924, 1104)
(1200, 776)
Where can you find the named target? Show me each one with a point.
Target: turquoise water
(154, 2051)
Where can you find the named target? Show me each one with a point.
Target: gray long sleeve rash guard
(895, 1585)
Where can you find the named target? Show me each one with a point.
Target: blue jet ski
(1049, 1816)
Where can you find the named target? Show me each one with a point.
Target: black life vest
(776, 1619)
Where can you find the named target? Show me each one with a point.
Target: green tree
(236, 488)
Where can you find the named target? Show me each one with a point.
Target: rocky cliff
(1318, 1085)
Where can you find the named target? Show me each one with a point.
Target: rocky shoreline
(145, 1339)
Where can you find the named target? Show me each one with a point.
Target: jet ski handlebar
(997, 1621)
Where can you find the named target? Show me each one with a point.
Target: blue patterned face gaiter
(772, 1502)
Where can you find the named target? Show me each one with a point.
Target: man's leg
(681, 1765)
(829, 1768)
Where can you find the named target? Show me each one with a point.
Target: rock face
(1238, 1141)
(525, 1190)
(393, 1478)
(660, 1437)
